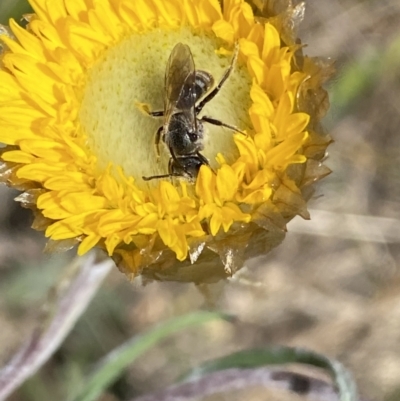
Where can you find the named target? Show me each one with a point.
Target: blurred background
(332, 286)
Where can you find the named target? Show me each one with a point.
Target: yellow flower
(217, 198)
(78, 145)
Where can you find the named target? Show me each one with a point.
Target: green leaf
(13, 9)
(281, 355)
(111, 367)
(355, 80)
(359, 77)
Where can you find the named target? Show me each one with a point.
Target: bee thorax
(184, 135)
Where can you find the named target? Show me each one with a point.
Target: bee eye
(193, 137)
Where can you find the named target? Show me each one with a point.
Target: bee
(187, 91)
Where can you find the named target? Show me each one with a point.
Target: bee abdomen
(203, 82)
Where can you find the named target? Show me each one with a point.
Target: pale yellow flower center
(133, 71)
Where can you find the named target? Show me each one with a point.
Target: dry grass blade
(68, 302)
(349, 226)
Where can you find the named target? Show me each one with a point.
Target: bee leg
(170, 174)
(219, 123)
(156, 113)
(157, 141)
(145, 108)
(205, 161)
(215, 91)
(202, 158)
(155, 177)
(170, 168)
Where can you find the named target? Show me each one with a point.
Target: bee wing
(179, 81)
